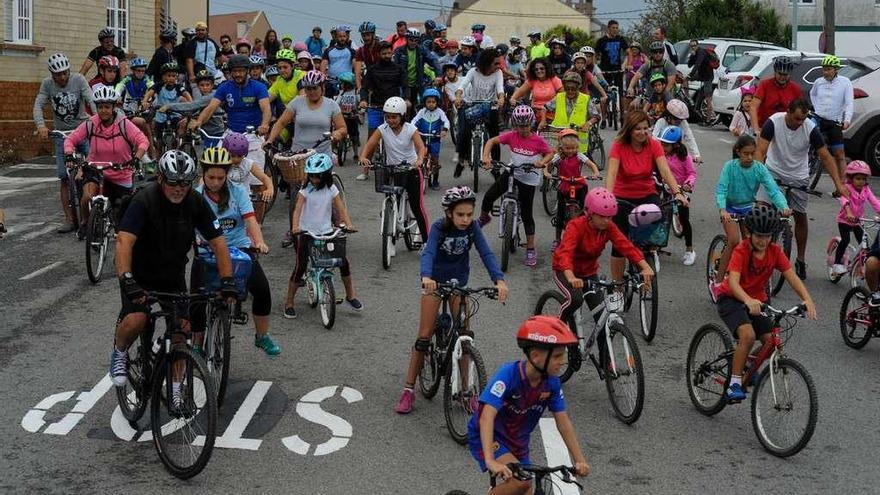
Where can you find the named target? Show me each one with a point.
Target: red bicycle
(858, 319)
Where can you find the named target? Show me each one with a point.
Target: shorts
(832, 132)
(60, 165)
(624, 208)
(113, 191)
(797, 199)
(375, 118)
(739, 211)
(434, 148)
(129, 307)
(476, 448)
(735, 314)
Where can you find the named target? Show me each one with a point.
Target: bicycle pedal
(240, 319)
(339, 300)
(496, 211)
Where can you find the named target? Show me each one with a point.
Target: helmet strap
(541, 369)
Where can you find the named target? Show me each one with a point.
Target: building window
(241, 28)
(117, 20)
(20, 22)
(809, 2)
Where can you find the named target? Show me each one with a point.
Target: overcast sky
(297, 18)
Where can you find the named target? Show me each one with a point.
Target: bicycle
(476, 113)
(343, 147)
(621, 363)
(595, 145)
(709, 361)
(855, 263)
(550, 198)
(786, 234)
(858, 318)
(716, 254)
(453, 357)
(427, 169)
(814, 163)
(395, 217)
(614, 116)
(153, 366)
(525, 472)
(73, 187)
(293, 166)
(101, 222)
(508, 213)
(325, 253)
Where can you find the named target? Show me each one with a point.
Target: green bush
(581, 37)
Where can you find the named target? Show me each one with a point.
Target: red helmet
(108, 61)
(544, 332)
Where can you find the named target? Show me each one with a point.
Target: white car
(729, 50)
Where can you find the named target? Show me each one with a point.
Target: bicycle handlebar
(178, 297)
(523, 472)
(528, 167)
(805, 189)
(337, 233)
(452, 288)
(101, 166)
(208, 136)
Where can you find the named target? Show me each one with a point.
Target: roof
(228, 23)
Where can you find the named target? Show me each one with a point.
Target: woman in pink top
(542, 85)
(111, 138)
(852, 209)
(682, 166)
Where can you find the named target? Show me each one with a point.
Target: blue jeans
(60, 166)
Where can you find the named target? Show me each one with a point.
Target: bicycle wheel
(677, 227)
(475, 162)
(649, 302)
(777, 280)
(430, 374)
(132, 398)
(270, 172)
(857, 271)
(708, 368)
(411, 234)
(327, 304)
(716, 248)
(830, 252)
(784, 407)
(624, 376)
(815, 169)
(460, 403)
(343, 151)
(184, 438)
(855, 318)
(453, 126)
(97, 242)
(597, 149)
(703, 112)
(387, 235)
(629, 289)
(507, 241)
(217, 345)
(549, 197)
(550, 303)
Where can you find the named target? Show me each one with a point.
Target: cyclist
(526, 147)
(243, 47)
(232, 206)
(258, 64)
(515, 399)
(383, 80)
(480, 29)
(657, 65)
(411, 58)
(164, 53)
(427, 39)
(431, 119)
(317, 203)
(774, 94)
(516, 44)
(655, 105)
(285, 88)
(108, 72)
(170, 91)
(215, 126)
(612, 49)
(676, 114)
(368, 54)
(852, 209)
(590, 84)
(131, 91)
(832, 97)
(248, 173)
(682, 166)
(107, 46)
(69, 95)
(446, 257)
(744, 289)
(467, 54)
(570, 109)
(540, 83)
(450, 54)
(740, 123)
(348, 101)
(111, 137)
(338, 59)
(271, 77)
(537, 49)
(569, 163)
(559, 59)
(402, 144)
(484, 82)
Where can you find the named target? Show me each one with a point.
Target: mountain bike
(545, 478)
(854, 259)
(395, 217)
(326, 252)
(784, 403)
(183, 436)
(427, 169)
(101, 223)
(73, 187)
(453, 357)
(614, 117)
(477, 112)
(509, 221)
(785, 236)
(617, 361)
(595, 145)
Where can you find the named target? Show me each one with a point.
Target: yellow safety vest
(578, 116)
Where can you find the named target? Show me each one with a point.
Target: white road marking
(42, 270)
(22, 227)
(231, 438)
(309, 408)
(728, 141)
(38, 233)
(85, 401)
(33, 166)
(556, 452)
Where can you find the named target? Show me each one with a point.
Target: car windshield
(744, 63)
(682, 48)
(854, 70)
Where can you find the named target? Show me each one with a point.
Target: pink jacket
(856, 202)
(108, 145)
(683, 170)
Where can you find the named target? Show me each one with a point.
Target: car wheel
(872, 152)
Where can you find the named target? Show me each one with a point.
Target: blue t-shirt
(465, 64)
(339, 60)
(242, 103)
(167, 96)
(232, 218)
(447, 254)
(519, 406)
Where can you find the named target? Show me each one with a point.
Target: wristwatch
(126, 276)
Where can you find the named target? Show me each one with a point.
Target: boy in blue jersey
(516, 397)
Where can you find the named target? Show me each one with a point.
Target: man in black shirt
(166, 52)
(702, 71)
(107, 47)
(383, 80)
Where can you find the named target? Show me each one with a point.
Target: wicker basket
(328, 254)
(294, 170)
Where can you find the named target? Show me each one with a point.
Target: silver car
(862, 138)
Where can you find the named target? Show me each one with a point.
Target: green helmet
(831, 61)
(285, 55)
(657, 77)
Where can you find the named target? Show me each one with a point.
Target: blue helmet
(347, 77)
(431, 92)
(137, 62)
(431, 24)
(671, 135)
(318, 163)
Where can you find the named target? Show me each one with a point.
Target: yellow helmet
(216, 156)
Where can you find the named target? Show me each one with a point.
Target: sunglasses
(654, 52)
(178, 183)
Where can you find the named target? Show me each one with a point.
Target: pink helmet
(522, 115)
(645, 214)
(312, 79)
(601, 201)
(242, 41)
(299, 46)
(304, 54)
(857, 167)
(678, 109)
(236, 144)
(748, 90)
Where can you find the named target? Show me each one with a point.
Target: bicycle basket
(241, 270)
(387, 177)
(328, 254)
(477, 112)
(294, 171)
(654, 234)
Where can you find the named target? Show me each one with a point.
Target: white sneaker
(454, 158)
(838, 269)
(361, 177)
(689, 257)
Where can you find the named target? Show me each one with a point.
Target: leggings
(579, 195)
(526, 196)
(684, 215)
(257, 286)
(844, 239)
(574, 298)
(464, 134)
(303, 243)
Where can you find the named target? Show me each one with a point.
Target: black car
(808, 69)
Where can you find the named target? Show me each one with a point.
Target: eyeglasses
(178, 183)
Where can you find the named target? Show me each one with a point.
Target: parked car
(729, 50)
(862, 138)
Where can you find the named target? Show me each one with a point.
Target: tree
(579, 37)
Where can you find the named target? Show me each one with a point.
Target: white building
(857, 24)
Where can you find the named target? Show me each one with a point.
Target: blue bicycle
(326, 252)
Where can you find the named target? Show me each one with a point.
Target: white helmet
(678, 109)
(58, 62)
(468, 41)
(176, 165)
(395, 104)
(587, 50)
(104, 94)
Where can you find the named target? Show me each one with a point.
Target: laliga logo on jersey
(550, 339)
(498, 389)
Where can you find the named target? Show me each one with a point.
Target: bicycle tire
(857, 272)
(217, 346)
(96, 237)
(830, 252)
(713, 258)
(629, 290)
(458, 431)
(343, 151)
(574, 353)
(207, 423)
(409, 231)
(387, 235)
(140, 363)
(850, 317)
(430, 373)
(549, 197)
(337, 181)
(312, 290)
(815, 170)
(703, 109)
(475, 164)
(507, 238)
(597, 150)
(648, 317)
(711, 367)
(327, 305)
(777, 280)
(633, 361)
(786, 368)
(453, 127)
(677, 227)
(270, 172)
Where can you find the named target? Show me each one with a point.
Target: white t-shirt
(478, 87)
(242, 174)
(451, 87)
(789, 150)
(317, 212)
(399, 148)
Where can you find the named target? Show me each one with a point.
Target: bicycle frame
(607, 317)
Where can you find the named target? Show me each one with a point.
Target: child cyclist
(676, 114)
(446, 256)
(569, 162)
(682, 166)
(515, 399)
(526, 147)
(170, 91)
(745, 289)
(317, 203)
(431, 119)
(852, 209)
(735, 193)
(577, 257)
(741, 123)
(655, 107)
(248, 173)
(348, 100)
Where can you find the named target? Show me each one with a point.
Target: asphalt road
(56, 332)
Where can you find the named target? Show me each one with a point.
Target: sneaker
(435, 184)
(459, 168)
(454, 158)
(405, 404)
(800, 267)
(735, 393)
(554, 246)
(838, 269)
(267, 344)
(288, 240)
(66, 228)
(715, 290)
(81, 232)
(484, 219)
(355, 304)
(289, 313)
(531, 257)
(119, 367)
(689, 258)
(875, 300)
(362, 177)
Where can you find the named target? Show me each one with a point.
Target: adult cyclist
(338, 59)
(368, 54)
(832, 96)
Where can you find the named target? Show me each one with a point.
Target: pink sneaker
(715, 290)
(405, 404)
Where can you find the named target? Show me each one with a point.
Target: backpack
(714, 61)
(122, 132)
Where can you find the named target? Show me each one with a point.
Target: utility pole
(794, 24)
(828, 27)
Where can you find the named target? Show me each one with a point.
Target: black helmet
(783, 65)
(239, 61)
(105, 33)
(502, 48)
(204, 75)
(762, 219)
(168, 35)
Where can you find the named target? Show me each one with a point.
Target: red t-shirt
(582, 245)
(754, 272)
(775, 99)
(369, 55)
(570, 166)
(635, 175)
